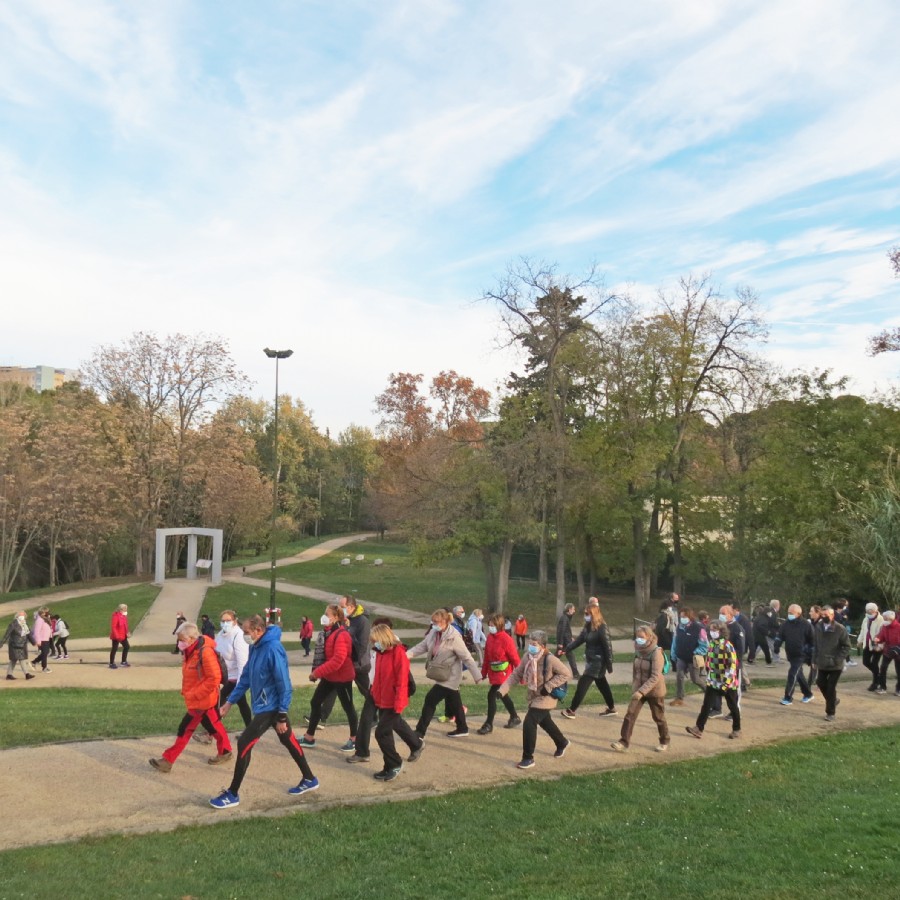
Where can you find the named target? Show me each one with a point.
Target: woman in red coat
(390, 693)
(500, 658)
(119, 634)
(335, 675)
(306, 633)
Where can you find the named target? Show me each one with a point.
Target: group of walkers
(48, 634)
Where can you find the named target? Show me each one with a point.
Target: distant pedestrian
(235, 651)
(268, 679)
(832, 646)
(60, 636)
(306, 633)
(119, 634)
(207, 629)
(648, 686)
(867, 642)
(889, 641)
(564, 637)
(42, 632)
(200, 688)
(476, 629)
(542, 673)
(180, 619)
(500, 658)
(521, 630)
(17, 638)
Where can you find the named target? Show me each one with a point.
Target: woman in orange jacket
(521, 631)
(200, 679)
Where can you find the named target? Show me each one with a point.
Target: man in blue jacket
(269, 682)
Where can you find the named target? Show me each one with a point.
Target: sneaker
(770, 665)
(308, 784)
(66, 656)
(880, 691)
(444, 719)
(726, 718)
(514, 722)
(113, 666)
(872, 688)
(785, 702)
(829, 718)
(387, 774)
(715, 715)
(676, 702)
(852, 663)
(416, 753)
(224, 800)
(525, 763)
(28, 676)
(201, 737)
(734, 735)
(125, 665)
(10, 677)
(46, 671)
(618, 746)
(694, 731)
(609, 711)
(306, 742)
(221, 758)
(808, 699)
(487, 728)
(356, 758)
(458, 732)
(662, 748)
(349, 747)
(561, 751)
(161, 765)
(568, 713)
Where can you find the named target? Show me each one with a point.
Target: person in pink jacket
(42, 633)
(119, 634)
(500, 658)
(335, 675)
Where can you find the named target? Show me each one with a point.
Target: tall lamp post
(276, 469)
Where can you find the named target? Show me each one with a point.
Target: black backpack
(223, 669)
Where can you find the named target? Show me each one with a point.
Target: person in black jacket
(831, 648)
(761, 626)
(598, 660)
(747, 628)
(564, 636)
(688, 637)
(796, 635)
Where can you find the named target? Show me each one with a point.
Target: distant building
(39, 378)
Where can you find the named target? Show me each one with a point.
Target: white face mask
(325, 621)
(249, 638)
(436, 627)
(20, 619)
(227, 626)
(125, 613)
(492, 629)
(587, 618)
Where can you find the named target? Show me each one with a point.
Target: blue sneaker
(786, 702)
(306, 742)
(807, 699)
(225, 800)
(308, 784)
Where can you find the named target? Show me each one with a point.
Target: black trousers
(760, 641)
(583, 686)
(115, 646)
(43, 653)
(361, 680)
(248, 739)
(454, 707)
(242, 704)
(533, 719)
(389, 723)
(326, 690)
(885, 665)
(731, 698)
(872, 661)
(492, 704)
(826, 682)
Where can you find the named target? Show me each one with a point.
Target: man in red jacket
(119, 634)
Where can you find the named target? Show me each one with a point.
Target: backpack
(223, 669)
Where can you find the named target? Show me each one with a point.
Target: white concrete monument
(214, 565)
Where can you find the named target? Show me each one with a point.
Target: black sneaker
(487, 728)
(561, 751)
(387, 774)
(526, 763)
(416, 753)
(514, 722)
(458, 732)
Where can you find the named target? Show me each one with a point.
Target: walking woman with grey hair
(119, 634)
(17, 637)
(648, 686)
(542, 673)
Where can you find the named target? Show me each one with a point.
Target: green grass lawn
(89, 616)
(425, 588)
(249, 557)
(811, 817)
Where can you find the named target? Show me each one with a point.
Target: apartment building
(38, 378)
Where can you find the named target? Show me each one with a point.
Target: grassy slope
(792, 820)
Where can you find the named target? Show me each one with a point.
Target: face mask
(436, 627)
(641, 642)
(249, 639)
(20, 619)
(325, 620)
(684, 620)
(492, 629)
(714, 635)
(183, 645)
(587, 618)
(226, 626)
(792, 616)
(124, 613)
(723, 617)
(378, 647)
(533, 649)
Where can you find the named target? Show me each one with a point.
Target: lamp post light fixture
(276, 470)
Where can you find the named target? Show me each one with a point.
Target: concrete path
(111, 788)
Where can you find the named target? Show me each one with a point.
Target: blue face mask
(378, 647)
(533, 649)
(492, 629)
(684, 620)
(641, 642)
(723, 617)
(792, 616)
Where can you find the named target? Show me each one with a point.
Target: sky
(346, 179)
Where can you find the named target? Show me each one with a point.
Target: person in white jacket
(446, 656)
(866, 642)
(479, 638)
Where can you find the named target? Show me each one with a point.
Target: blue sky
(345, 178)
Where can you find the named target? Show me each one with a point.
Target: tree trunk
(677, 558)
(592, 564)
(579, 568)
(52, 564)
(487, 560)
(503, 575)
(641, 581)
(542, 549)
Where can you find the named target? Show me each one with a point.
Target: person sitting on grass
(648, 686)
(268, 679)
(541, 672)
(200, 676)
(722, 680)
